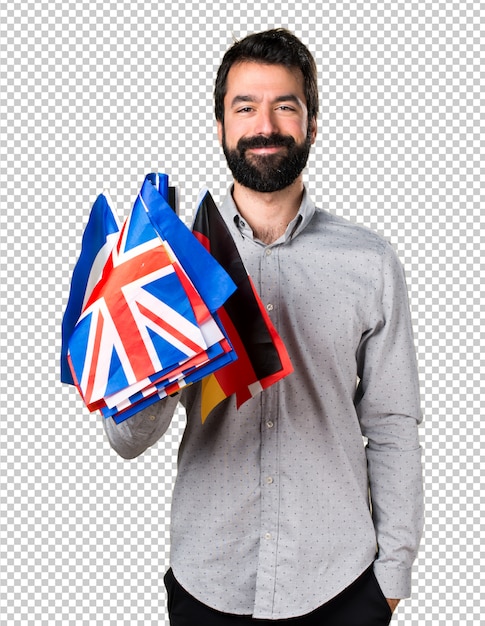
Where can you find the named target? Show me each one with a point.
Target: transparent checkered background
(95, 95)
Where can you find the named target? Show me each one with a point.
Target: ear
(313, 129)
(219, 131)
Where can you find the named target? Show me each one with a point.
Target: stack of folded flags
(143, 315)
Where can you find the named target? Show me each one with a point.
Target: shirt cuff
(394, 582)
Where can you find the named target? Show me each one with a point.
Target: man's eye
(245, 110)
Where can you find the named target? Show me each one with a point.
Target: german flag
(262, 356)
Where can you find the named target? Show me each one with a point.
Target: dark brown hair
(272, 47)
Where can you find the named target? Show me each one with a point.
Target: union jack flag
(144, 329)
(138, 319)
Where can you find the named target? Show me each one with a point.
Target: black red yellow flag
(262, 356)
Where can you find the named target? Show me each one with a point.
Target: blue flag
(98, 240)
(194, 258)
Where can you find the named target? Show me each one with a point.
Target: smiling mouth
(266, 149)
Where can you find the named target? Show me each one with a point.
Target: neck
(268, 214)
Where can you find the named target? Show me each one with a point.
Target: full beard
(269, 172)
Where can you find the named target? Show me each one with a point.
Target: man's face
(266, 135)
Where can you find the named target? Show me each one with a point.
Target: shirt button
(269, 307)
(268, 252)
(267, 536)
(269, 480)
(269, 424)
(152, 418)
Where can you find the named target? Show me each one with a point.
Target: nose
(266, 122)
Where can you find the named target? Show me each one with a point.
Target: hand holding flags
(144, 313)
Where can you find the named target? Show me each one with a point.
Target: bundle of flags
(154, 307)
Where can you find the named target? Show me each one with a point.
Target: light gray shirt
(282, 504)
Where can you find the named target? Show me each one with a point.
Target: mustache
(260, 141)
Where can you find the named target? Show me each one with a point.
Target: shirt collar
(237, 223)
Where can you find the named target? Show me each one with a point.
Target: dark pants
(361, 604)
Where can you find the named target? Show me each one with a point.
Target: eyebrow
(249, 98)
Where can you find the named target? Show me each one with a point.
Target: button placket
(269, 467)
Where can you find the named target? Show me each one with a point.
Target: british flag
(138, 319)
(144, 328)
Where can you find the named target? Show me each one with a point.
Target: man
(280, 512)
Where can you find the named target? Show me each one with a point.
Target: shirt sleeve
(133, 436)
(388, 406)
